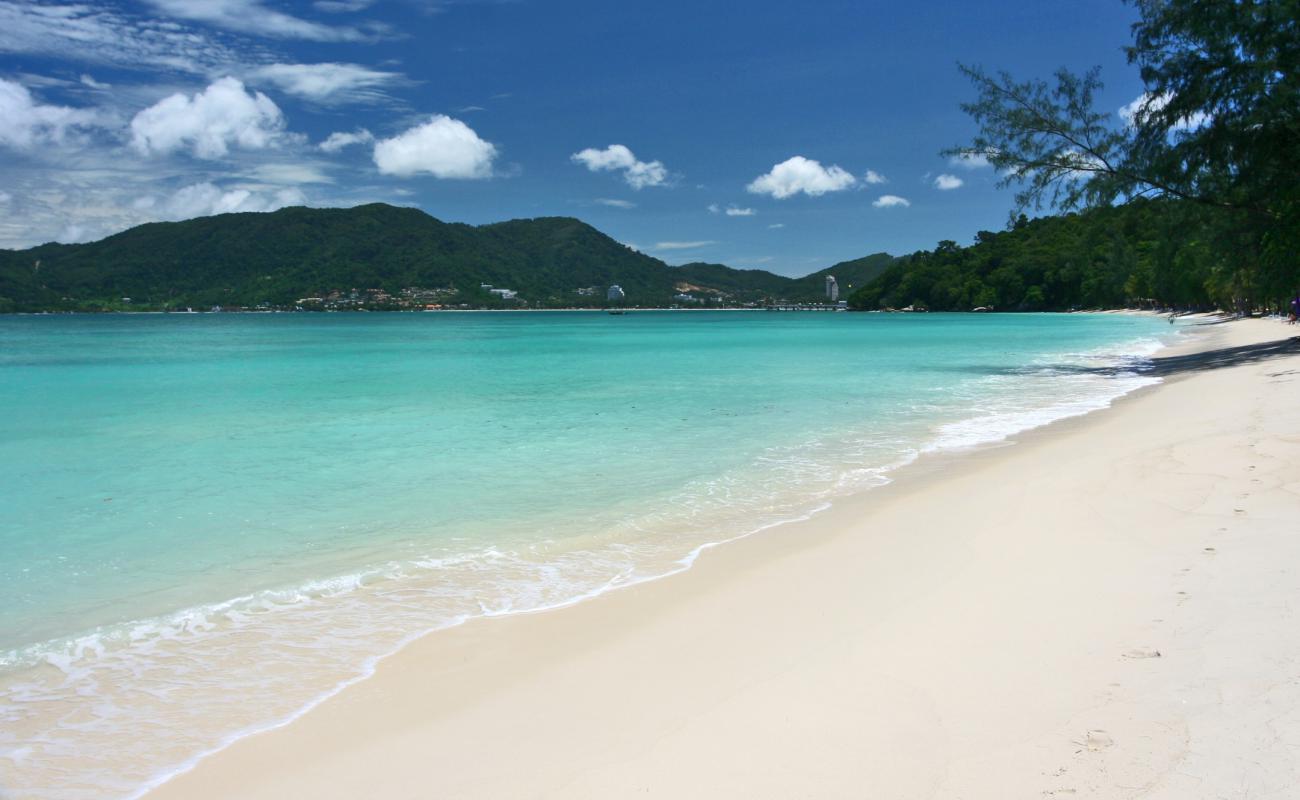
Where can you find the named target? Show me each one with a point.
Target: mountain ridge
(277, 258)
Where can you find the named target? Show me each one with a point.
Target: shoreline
(162, 312)
(293, 705)
(317, 732)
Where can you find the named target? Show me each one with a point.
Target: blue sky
(774, 135)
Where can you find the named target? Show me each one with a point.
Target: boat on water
(616, 311)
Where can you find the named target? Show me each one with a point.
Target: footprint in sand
(1142, 652)
(1097, 740)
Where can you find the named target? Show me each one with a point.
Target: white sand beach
(1106, 608)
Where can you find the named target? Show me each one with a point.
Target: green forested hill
(1152, 252)
(276, 258)
(1146, 252)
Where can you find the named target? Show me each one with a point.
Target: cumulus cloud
(799, 174)
(732, 211)
(442, 147)
(891, 201)
(339, 139)
(206, 198)
(945, 182)
(1084, 165)
(683, 245)
(26, 123)
(613, 203)
(1146, 103)
(208, 124)
(638, 174)
(251, 16)
(328, 82)
(874, 177)
(969, 160)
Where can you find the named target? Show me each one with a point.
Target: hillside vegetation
(278, 258)
(1156, 253)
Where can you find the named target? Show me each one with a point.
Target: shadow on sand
(1224, 357)
(1169, 366)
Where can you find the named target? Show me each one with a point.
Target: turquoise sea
(208, 523)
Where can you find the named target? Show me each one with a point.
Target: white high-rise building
(832, 289)
(615, 294)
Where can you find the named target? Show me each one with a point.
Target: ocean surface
(209, 523)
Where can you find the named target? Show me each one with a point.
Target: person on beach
(1295, 310)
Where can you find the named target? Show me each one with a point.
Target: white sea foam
(1070, 385)
(124, 708)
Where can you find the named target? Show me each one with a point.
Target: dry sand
(1105, 609)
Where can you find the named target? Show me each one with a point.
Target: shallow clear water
(200, 507)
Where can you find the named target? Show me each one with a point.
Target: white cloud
(683, 245)
(776, 225)
(945, 182)
(1146, 103)
(98, 192)
(1129, 111)
(714, 208)
(613, 203)
(87, 80)
(1085, 165)
(291, 174)
(209, 123)
(891, 201)
(5, 197)
(94, 33)
(874, 177)
(338, 140)
(969, 160)
(732, 211)
(799, 174)
(342, 6)
(442, 147)
(26, 123)
(327, 82)
(250, 16)
(205, 199)
(638, 174)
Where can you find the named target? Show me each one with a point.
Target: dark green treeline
(1146, 253)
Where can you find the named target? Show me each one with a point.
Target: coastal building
(832, 289)
(504, 294)
(615, 294)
